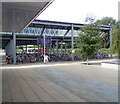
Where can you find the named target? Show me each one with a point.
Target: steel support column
(38, 50)
(26, 49)
(57, 47)
(111, 42)
(14, 39)
(47, 49)
(65, 48)
(34, 48)
(72, 41)
(61, 48)
(42, 31)
(66, 32)
(50, 49)
(22, 49)
(53, 48)
(43, 48)
(14, 48)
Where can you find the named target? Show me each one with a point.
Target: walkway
(59, 82)
(24, 85)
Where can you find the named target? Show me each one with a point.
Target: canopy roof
(17, 15)
(60, 31)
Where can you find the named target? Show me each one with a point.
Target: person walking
(46, 58)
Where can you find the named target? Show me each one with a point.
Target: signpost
(44, 49)
(46, 40)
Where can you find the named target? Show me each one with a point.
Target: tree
(89, 40)
(106, 21)
(116, 39)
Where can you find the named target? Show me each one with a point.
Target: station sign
(48, 40)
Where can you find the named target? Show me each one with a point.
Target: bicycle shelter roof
(59, 31)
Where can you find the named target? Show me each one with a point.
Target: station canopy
(18, 14)
(55, 28)
(59, 31)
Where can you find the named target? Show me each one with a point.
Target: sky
(76, 11)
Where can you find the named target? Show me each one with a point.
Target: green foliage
(106, 37)
(106, 21)
(104, 50)
(36, 46)
(116, 39)
(68, 45)
(30, 47)
(68, 50)
(19, 47)
(89, 40)
(19, 50)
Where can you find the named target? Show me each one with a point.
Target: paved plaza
(59, 82)
(41, 54)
